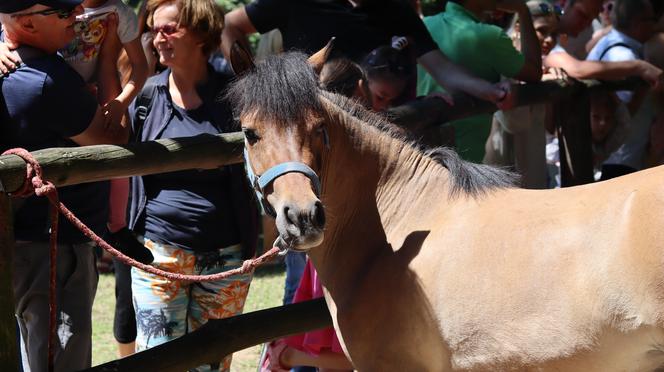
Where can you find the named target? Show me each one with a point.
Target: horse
(431, 263)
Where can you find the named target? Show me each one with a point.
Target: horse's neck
(371, 181)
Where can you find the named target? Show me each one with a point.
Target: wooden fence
(68, 166)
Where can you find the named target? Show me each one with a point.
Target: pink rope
(34, 183)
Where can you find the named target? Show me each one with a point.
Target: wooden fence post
(575, 138)
(8, 344)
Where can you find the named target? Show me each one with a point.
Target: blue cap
(13, 6)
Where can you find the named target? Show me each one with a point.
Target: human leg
(295, 262)
(219, 299)
(161, 304)
(124, 320)
(76, 284)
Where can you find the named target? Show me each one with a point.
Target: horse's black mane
(282, 88)
(285, 88)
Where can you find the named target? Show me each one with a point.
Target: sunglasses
(165, 30)
(546, 9)
(608, 7)
(61, 13)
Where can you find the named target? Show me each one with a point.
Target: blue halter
(259, 183)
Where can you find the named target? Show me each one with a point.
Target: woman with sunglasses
(195, 221)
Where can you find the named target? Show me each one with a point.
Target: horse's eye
(250, 135)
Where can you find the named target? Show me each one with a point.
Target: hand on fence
(507, 99)
(555, 73)
(651, 74)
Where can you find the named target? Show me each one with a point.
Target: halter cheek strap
(259, 183)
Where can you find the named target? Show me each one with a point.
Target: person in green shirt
(486, 52)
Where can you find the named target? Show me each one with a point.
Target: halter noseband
(259, 183)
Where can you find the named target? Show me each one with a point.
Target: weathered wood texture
(73, 165)
(218, 338)
(67, 166)
(419, 114)
(8, 345)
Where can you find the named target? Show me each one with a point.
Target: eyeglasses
(61, 13)
(166, 30)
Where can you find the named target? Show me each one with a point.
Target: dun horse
(434, 264)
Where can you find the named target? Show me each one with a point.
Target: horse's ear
(241, 59)
(318, 59)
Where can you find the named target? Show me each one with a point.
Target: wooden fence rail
(68, 166)
(220, 337)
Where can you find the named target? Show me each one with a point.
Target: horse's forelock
(281, 89)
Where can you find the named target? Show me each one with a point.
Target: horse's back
(551, 279)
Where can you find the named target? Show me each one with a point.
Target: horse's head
(285, 140)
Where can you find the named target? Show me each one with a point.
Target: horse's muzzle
(301, 228)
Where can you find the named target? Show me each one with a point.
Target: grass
(266, 291)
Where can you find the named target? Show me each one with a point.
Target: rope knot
(33, 182)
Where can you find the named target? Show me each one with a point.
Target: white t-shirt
(82, 53)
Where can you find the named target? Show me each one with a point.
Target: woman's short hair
(203, 17)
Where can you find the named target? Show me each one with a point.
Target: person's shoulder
(489, 31)
(54, 70)
(160, 79)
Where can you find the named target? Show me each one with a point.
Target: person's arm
(116, 99)
(237, 26)
(455, 79)
(604, 70)
(139, 73)
(530, 45)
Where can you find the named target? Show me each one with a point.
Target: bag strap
(143, 106)
(613, 46)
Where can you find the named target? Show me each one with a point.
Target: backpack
(143, 106)
(613, 46)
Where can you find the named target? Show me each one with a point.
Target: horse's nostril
(291, 220)
(318, 215)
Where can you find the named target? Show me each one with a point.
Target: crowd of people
(84, 72)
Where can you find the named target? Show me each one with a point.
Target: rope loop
(34, 184)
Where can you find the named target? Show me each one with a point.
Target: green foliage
(229, 5)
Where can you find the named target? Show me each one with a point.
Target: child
(608, 123)
(390, 75)
(319, 348)
(84, 55)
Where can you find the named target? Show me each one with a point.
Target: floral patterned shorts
(167, 309)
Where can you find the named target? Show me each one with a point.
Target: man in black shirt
(359, 27)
